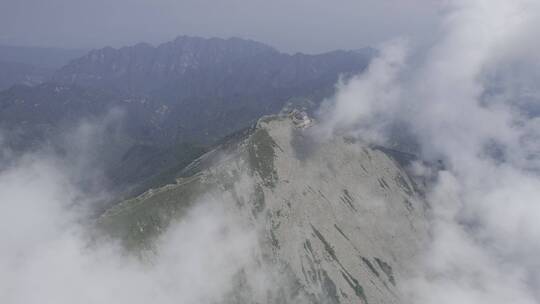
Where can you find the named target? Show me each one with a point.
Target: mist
(467, 102)
(50, 251)
(464, 95)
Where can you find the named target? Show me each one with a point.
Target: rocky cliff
(337, 220)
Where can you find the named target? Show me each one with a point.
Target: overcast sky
(289, 25)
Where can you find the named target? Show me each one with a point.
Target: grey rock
(340, 224)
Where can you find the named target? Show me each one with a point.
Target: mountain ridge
(124, 66)
(339, 221)
(188, 92)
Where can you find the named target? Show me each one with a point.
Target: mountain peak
(143, 68)
(185, 39)
(335, 216)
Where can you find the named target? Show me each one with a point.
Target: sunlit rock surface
(339, 222)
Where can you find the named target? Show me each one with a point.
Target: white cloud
(47, 254)
(458, 102)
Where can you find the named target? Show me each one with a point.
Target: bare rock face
(338, 221)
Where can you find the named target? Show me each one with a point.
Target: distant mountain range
(190, 91)
(190, 66)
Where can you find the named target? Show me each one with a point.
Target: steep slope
(339, 221)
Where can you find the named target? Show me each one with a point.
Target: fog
(466, 101)
(51, 253)
(291, 26)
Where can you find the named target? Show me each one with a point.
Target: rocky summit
(338, 220)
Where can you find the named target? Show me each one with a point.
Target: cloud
(467, 100)
(48, 254)
(378, 86)
(456, 99)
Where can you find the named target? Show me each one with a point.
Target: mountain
(192, 66)
(186, 94)
(121, 133)
(208, 88)
(337, 221)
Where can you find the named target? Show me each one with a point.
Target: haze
(291, 26)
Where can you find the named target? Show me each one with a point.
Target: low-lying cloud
(469, 101)
(49, 254)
